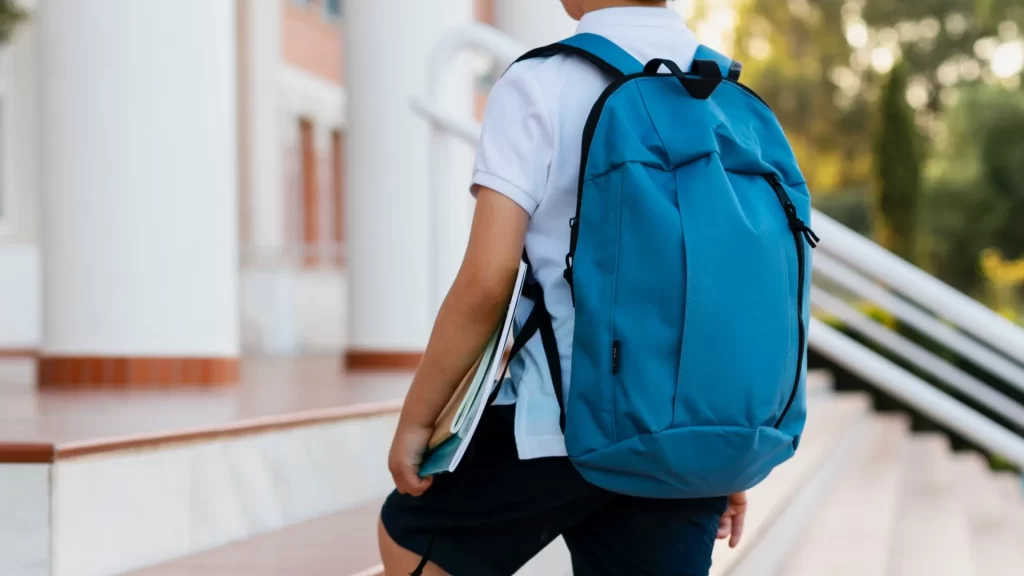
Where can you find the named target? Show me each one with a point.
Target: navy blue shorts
(496, 512)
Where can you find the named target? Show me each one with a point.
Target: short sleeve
(516, 140)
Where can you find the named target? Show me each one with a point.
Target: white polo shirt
(529, 151)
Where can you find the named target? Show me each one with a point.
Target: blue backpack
(689, 265)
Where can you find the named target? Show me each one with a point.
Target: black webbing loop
(700, 84)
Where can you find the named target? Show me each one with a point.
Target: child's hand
(406, 455)
(731, 524)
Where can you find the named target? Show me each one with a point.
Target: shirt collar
(630, 16)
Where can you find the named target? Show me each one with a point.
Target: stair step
(853, 530)
(341, 544)
(780, 505)
(1010, 486)
(993, 522)
(932, 538)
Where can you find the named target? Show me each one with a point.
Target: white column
(139, 178)
(392, 275)
(534, 22)
(263, 125)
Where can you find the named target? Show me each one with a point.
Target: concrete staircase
(863, 497)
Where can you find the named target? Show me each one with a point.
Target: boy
(516, 491)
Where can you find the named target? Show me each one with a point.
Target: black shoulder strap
(539, 320)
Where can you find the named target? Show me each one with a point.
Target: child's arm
(513, 159)
(472, 310)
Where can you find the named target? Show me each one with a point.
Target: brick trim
(380, 361)
(19, 353)
(134, 372)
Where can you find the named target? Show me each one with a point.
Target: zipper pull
(809, 235)
(798, 225)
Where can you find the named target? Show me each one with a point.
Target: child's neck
(591, 5)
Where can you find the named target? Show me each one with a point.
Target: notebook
(458, 421)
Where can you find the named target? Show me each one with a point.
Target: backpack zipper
(801, 233)
(588, 138)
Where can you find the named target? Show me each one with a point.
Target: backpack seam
(675, 167)
(650, 118)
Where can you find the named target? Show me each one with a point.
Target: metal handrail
(835, 271)
(917, 355)
(855, 250)
(925, 289)
(891, 378)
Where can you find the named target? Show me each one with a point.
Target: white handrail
(918, 285)
(832, 269)
(913, 352)
(931, 401)
(444, 121)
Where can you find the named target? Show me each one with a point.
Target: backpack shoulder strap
(539, 321)
(598, 50)
(730, 68)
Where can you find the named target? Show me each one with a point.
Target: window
(310, 195)
(333, 8)
(338, 194)
(5, 208)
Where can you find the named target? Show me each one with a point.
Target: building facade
(184, 183)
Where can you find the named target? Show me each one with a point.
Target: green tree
(937, 38)
(812, 60)
(974, 198)
(897, 169)
(790, 50)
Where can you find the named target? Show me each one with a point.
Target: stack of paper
(458, 421)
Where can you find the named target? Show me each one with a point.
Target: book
(458, 421)
(452, 416)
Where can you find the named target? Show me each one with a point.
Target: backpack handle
(700, 84)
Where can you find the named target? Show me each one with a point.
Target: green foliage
(825, 89)
(897, 169)
(789, 57)
(10, 16)
(957, 26)
(974, 197)
(849, 206)
(796, 53)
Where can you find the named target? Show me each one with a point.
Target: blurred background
(906, 116)
(226, 226)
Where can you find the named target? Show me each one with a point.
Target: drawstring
(426, 556)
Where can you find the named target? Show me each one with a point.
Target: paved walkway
(269, 388)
